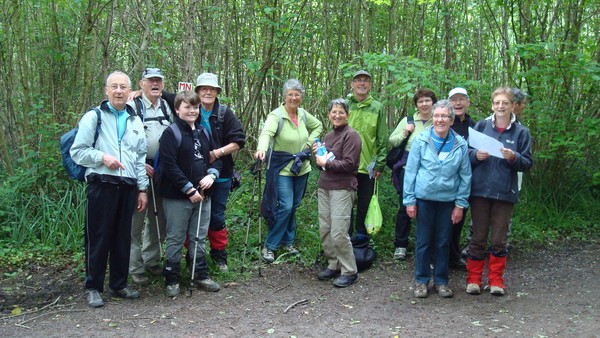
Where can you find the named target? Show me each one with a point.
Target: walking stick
(259, 172)
(191, 288)
(156, 217)
(249, 222)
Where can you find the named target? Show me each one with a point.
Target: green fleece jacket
(369, 120)
(291, 139)
(398, 135)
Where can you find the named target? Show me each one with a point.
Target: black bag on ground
(363, 252)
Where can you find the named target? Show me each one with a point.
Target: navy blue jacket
(495, 177)
(179, 171)
(223, 133)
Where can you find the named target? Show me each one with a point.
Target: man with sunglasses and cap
(146, 237)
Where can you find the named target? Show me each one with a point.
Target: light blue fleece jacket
(429, 178)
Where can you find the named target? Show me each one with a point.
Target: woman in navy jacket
(494, 191)
(228, 135)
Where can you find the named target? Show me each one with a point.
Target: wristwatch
(213, 176)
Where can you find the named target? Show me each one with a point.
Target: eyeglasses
(153, 79)
(362, 80)
(441, 117)
(501, 103)
(208, 89)
(115, 87)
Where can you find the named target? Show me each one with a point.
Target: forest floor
(552, 292)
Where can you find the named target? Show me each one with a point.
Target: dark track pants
(109, 209)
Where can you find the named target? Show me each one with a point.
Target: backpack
(76, 171)
(363, 252)
(236, 176)
(163, 106)
(221, 114)
(396, 153)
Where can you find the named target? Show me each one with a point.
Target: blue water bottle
(321, 150)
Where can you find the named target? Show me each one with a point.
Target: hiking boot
(222, 266)
(208, 285)
(345, 281)
(465, 252)
(459, 264)
(444, 291)
(94, 299)
(473, 289)
(126, 293)
(400, 253)
(155, 270)
(268, 255)
(421, 290)
(328, 274)
(292, 250)
(496, 291)
(140, 279)
(172, 290)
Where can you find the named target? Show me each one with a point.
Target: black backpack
(363, 252)
(396, 153)
(163, 107)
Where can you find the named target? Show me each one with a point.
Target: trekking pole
(258, 171)
(249, 221)
(156, 217)
(191, 288)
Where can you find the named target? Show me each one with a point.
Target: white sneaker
(292, 250)
(400, 253)
(268, 255)
(223, 267)
(473, 289)
(496, 291)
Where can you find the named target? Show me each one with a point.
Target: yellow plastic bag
(374, 219)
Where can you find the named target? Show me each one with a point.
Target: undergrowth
(44, 226)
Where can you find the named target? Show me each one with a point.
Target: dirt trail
(553, 292)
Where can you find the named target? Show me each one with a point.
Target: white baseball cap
(458, 90)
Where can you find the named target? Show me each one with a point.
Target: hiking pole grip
(255, 168)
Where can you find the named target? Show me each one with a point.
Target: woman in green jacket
(287, 170)
(424, 100)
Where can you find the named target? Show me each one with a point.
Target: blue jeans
(219, 197)
(290, 190)
(434, 230)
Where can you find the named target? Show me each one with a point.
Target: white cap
(457, 90)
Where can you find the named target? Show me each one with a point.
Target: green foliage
(32, 215)
(54, 59)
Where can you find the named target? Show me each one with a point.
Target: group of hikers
(159, 167)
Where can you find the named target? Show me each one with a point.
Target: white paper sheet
(481, 141)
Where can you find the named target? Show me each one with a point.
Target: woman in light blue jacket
(437, 183)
